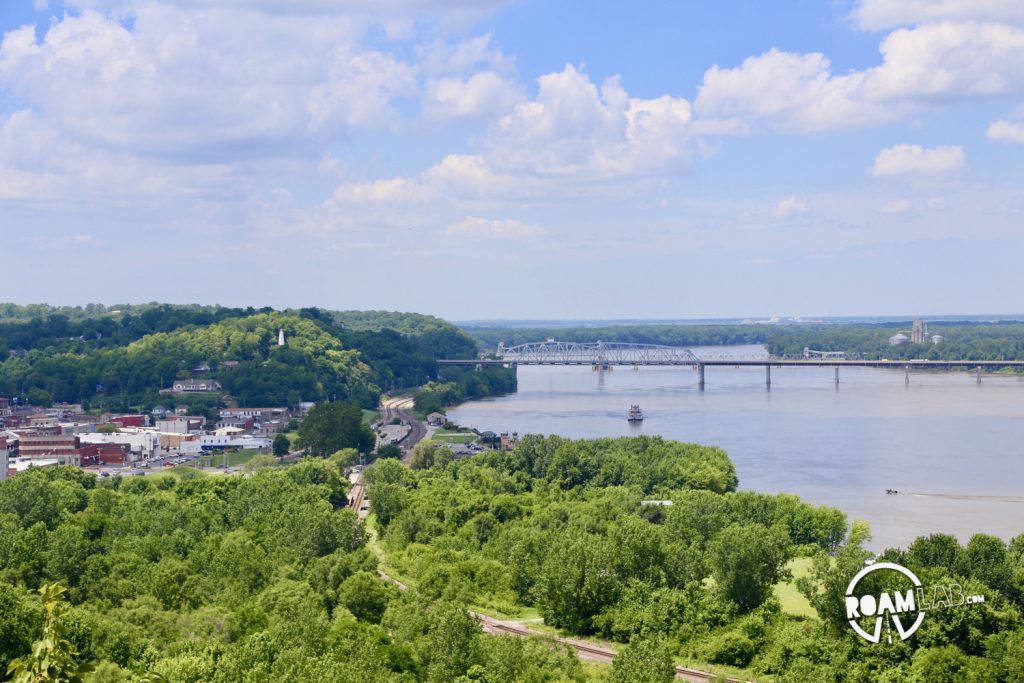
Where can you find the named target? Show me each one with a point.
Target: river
(952, 448)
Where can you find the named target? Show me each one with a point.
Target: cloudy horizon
(482, 160)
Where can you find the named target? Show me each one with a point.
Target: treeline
(975, 340)
(560, 527)
(460, 384)
(123, 359)
(227, 579)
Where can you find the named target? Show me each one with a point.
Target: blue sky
(515, 159)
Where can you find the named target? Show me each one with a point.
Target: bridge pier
(906, 374)
(768, 377)
(978, 373)
(700, 376)
(836, 381)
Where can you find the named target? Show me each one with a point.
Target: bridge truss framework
(553, 352)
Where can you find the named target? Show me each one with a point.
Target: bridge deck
(773, 362)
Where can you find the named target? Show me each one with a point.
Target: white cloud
(572, 139)
(880, 14)
(925, 66)
(573, 128)
(782, 90)
(487, 228)
(1006, 131)
(896, 206)
(917, 160)
(482, 94)
(790, 206)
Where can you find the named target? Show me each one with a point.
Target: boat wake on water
(962, 496)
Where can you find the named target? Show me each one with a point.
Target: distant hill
(123, 355)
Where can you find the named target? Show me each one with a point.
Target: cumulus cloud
(489, 228)
(881, 14)
(918, 160)
(1006, 131)
(573, 127)
(573, 138)
(790, 206)
(925, 66)
(482, 94)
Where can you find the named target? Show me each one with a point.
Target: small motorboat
(635, 414)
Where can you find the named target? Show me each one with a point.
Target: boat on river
(635, 414)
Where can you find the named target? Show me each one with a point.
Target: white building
(143, 444)
(217, 441)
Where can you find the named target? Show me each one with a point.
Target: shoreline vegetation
(268, 575)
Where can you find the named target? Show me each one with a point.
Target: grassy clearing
(454, 438)
(234, 458)
(370, 416)
(792, 601)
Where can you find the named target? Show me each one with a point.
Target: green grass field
(792, 601)
(235, 459)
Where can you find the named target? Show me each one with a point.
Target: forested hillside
(120, 357)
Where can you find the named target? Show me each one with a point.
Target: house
(436, 420)
(158, 412)
(195, 386)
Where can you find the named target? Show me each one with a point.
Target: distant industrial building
(918, 335)
(918, 331)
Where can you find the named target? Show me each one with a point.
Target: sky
(484, 159)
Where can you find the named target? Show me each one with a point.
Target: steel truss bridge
(553, 352)
(607, 354)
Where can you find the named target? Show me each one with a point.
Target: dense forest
(223, 580)
(121, 357)
(267, 576)
(975, 340)
(556, 529)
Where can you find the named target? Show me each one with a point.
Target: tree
(329, 427)
(108, 428)
(644, 660)
(427, 454)
(365, 596)
(747, 560)
(52, 659)
(39, 397)
(389, 451)
(825, 585)
(281, 445)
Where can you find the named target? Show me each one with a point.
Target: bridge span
(607, 354)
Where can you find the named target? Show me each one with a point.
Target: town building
(142, 443)
(436, 419)
(210, 442)
(194, 386)
(3, 458)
